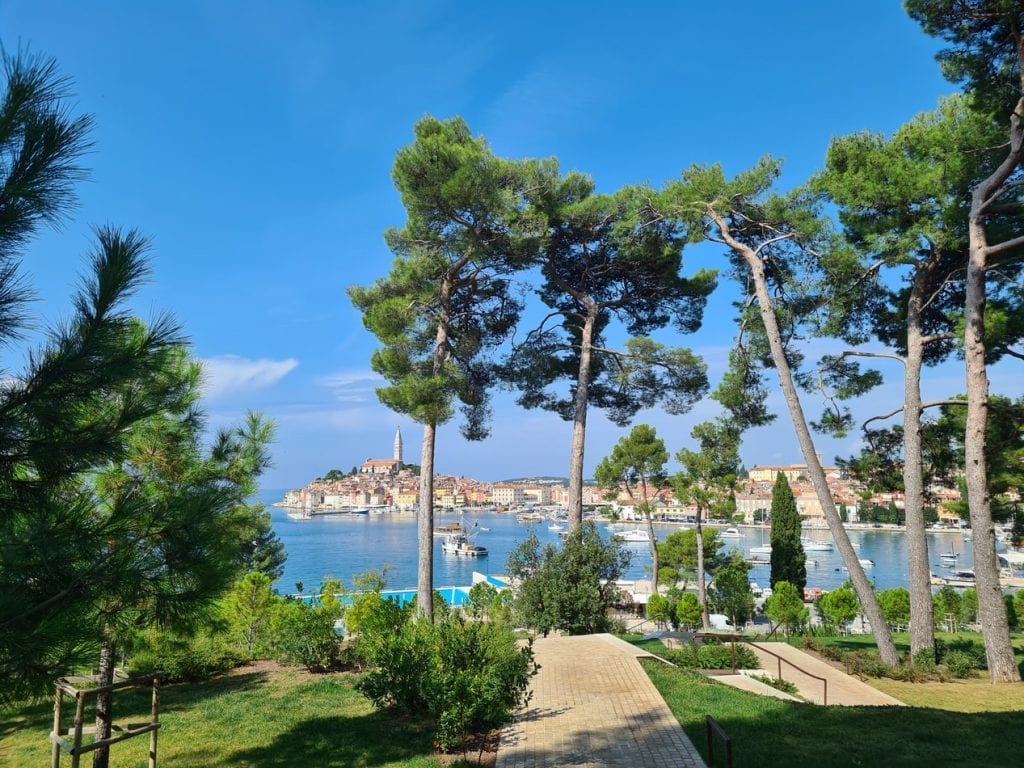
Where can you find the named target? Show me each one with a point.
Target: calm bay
(343, 546)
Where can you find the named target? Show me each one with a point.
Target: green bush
(960, 664)
(975, 650)
(924, 660)
(467, 676)
(304, 635)
(183, 657)
(712, 656)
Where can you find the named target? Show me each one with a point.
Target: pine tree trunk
(922, 628)
(425, 528)
(1002, 667)
(883, 638)
(702, 591)
(104, 709)
(654, 547)
(425, 520)
(579, 423)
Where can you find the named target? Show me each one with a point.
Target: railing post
(57, 706)
(825, 703)
(712, 728)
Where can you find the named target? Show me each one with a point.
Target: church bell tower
(398, 447)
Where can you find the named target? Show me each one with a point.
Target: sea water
(343, 546)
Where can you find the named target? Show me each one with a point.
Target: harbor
(345, 545)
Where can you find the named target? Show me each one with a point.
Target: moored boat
(730, 533)
(810, 545)
(636, 535)
(459, 544)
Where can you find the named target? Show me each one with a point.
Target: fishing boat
(448, 530)
(459, 544)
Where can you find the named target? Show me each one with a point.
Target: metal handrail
(779, 659)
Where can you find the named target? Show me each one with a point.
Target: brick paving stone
(593, 706)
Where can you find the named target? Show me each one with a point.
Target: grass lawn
(768, 732)
(254, 718)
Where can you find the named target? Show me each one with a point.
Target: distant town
(391, 483)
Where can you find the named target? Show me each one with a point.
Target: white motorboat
(556, 528)
(810, 545)
(730, 533)
(866, 563)
(764, 549)
(635, 535)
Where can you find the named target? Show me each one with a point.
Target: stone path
(594, 706)
(843, 689)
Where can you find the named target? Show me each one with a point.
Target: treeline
(912, 242)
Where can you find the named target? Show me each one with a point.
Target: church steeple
(398, 446)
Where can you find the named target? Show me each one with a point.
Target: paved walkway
(843, 689)
(594, 706)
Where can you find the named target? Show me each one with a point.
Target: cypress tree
(788, 559)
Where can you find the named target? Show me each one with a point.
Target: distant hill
(543, 480)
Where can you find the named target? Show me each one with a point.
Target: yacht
(634, 535)
(816, 546)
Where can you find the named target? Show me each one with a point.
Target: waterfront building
(793, 472)
(508, 495)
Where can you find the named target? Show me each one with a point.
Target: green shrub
(468, 677)
(183, 657)
(976, 650)
(924, 660)
(960, 664)
(719, 656)
(304, 635)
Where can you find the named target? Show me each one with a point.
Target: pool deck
(593, 705)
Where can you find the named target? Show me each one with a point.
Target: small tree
(786, 607)
(789, 563)
(730, 590)
(708, 480)
(249, 607)
(677, 555)
(569, 589)
(637, 463)
(895, 604)
(689, 612)
(660, 609)
(840, 606)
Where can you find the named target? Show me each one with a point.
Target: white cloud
(229, 374)
(352, 386)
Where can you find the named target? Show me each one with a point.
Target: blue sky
(253, 142)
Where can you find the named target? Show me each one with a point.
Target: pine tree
(788, 560)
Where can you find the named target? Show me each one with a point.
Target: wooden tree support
(78, 689)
